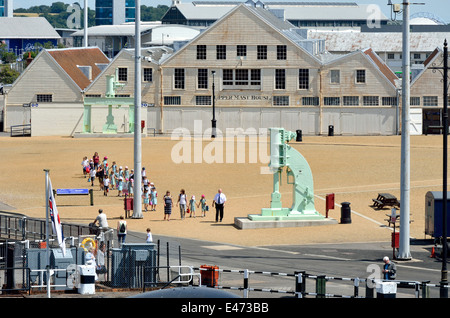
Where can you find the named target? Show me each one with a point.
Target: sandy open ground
(355, 168)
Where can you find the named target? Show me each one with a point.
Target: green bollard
(321, 286)
(91, 196)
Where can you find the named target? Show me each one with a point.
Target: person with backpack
(121, 230)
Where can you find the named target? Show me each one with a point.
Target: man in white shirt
(219, 203)
(101, 219)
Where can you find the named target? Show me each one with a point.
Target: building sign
(244, 97)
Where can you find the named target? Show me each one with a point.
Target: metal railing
(21, 130)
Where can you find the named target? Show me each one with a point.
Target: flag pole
(46, 232)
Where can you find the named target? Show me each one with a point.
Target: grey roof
(342, 41)
(115, 30)
(26, 28)
(213, 10)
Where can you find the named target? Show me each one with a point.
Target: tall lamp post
(444, 281)
(213, 121)
(444, 68)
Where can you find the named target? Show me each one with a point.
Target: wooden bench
(385, 199)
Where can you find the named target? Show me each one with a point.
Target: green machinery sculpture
(110, 100)
(299, 174)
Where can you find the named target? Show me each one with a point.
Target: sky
(439, 8)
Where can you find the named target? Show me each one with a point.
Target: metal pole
(444, 282)
(86, 24)
(404, 248)
(137, 204)
(213, 121)
(46, 232)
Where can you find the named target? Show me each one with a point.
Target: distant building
(53, 82)
(111, 12)
(113, 38)
(6, 8)
(299, 13)
(21, 34)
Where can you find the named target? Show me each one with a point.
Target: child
(203, 203)
(130, 187)
(85, 164)
(153, 198)
(192, 206)
(113, 175)
(146, 198)
(92, 175)
(106, 185)
(149, 236)
(120, 186)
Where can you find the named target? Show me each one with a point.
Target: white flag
(54, 215)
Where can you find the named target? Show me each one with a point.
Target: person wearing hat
(192, 206)
(389, 269)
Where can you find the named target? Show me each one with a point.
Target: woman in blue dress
(153, 198)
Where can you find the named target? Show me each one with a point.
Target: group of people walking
(190, 206)
(116, 177)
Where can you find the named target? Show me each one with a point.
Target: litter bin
(330, 130)
(299, 135)
(395, 240)
(386, 289)
(209, 275)
(345, 213)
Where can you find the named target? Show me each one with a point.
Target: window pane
(280, 79)
(123, 74)
(360, 76)
(202, 80)
(281, 52)
(261, 53)
(303, 78)
(201, 52)
(280, 101)
(242, 50)
(179, 78)
(221, 52)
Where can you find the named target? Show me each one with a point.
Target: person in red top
(96, 159)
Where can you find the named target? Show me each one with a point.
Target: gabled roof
(70, 61)
(283, 27)
(27, 28)
(384, 69)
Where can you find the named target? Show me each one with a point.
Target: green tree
(7, 75)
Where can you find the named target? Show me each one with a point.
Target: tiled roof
(70, 61)
(387, 72)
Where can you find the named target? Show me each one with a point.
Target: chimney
(29, 58)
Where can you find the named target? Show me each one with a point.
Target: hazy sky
(439, 8)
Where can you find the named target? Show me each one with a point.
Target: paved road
(351, 260)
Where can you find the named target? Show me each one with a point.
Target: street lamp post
(213, 121)
(444, 68)
(444, 281)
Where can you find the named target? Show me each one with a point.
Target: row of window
(306, 101)
(284, 100)
(147, 74)
(241, 51)
(237, 78)
(251, 78)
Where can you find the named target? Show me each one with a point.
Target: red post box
(329, 202)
